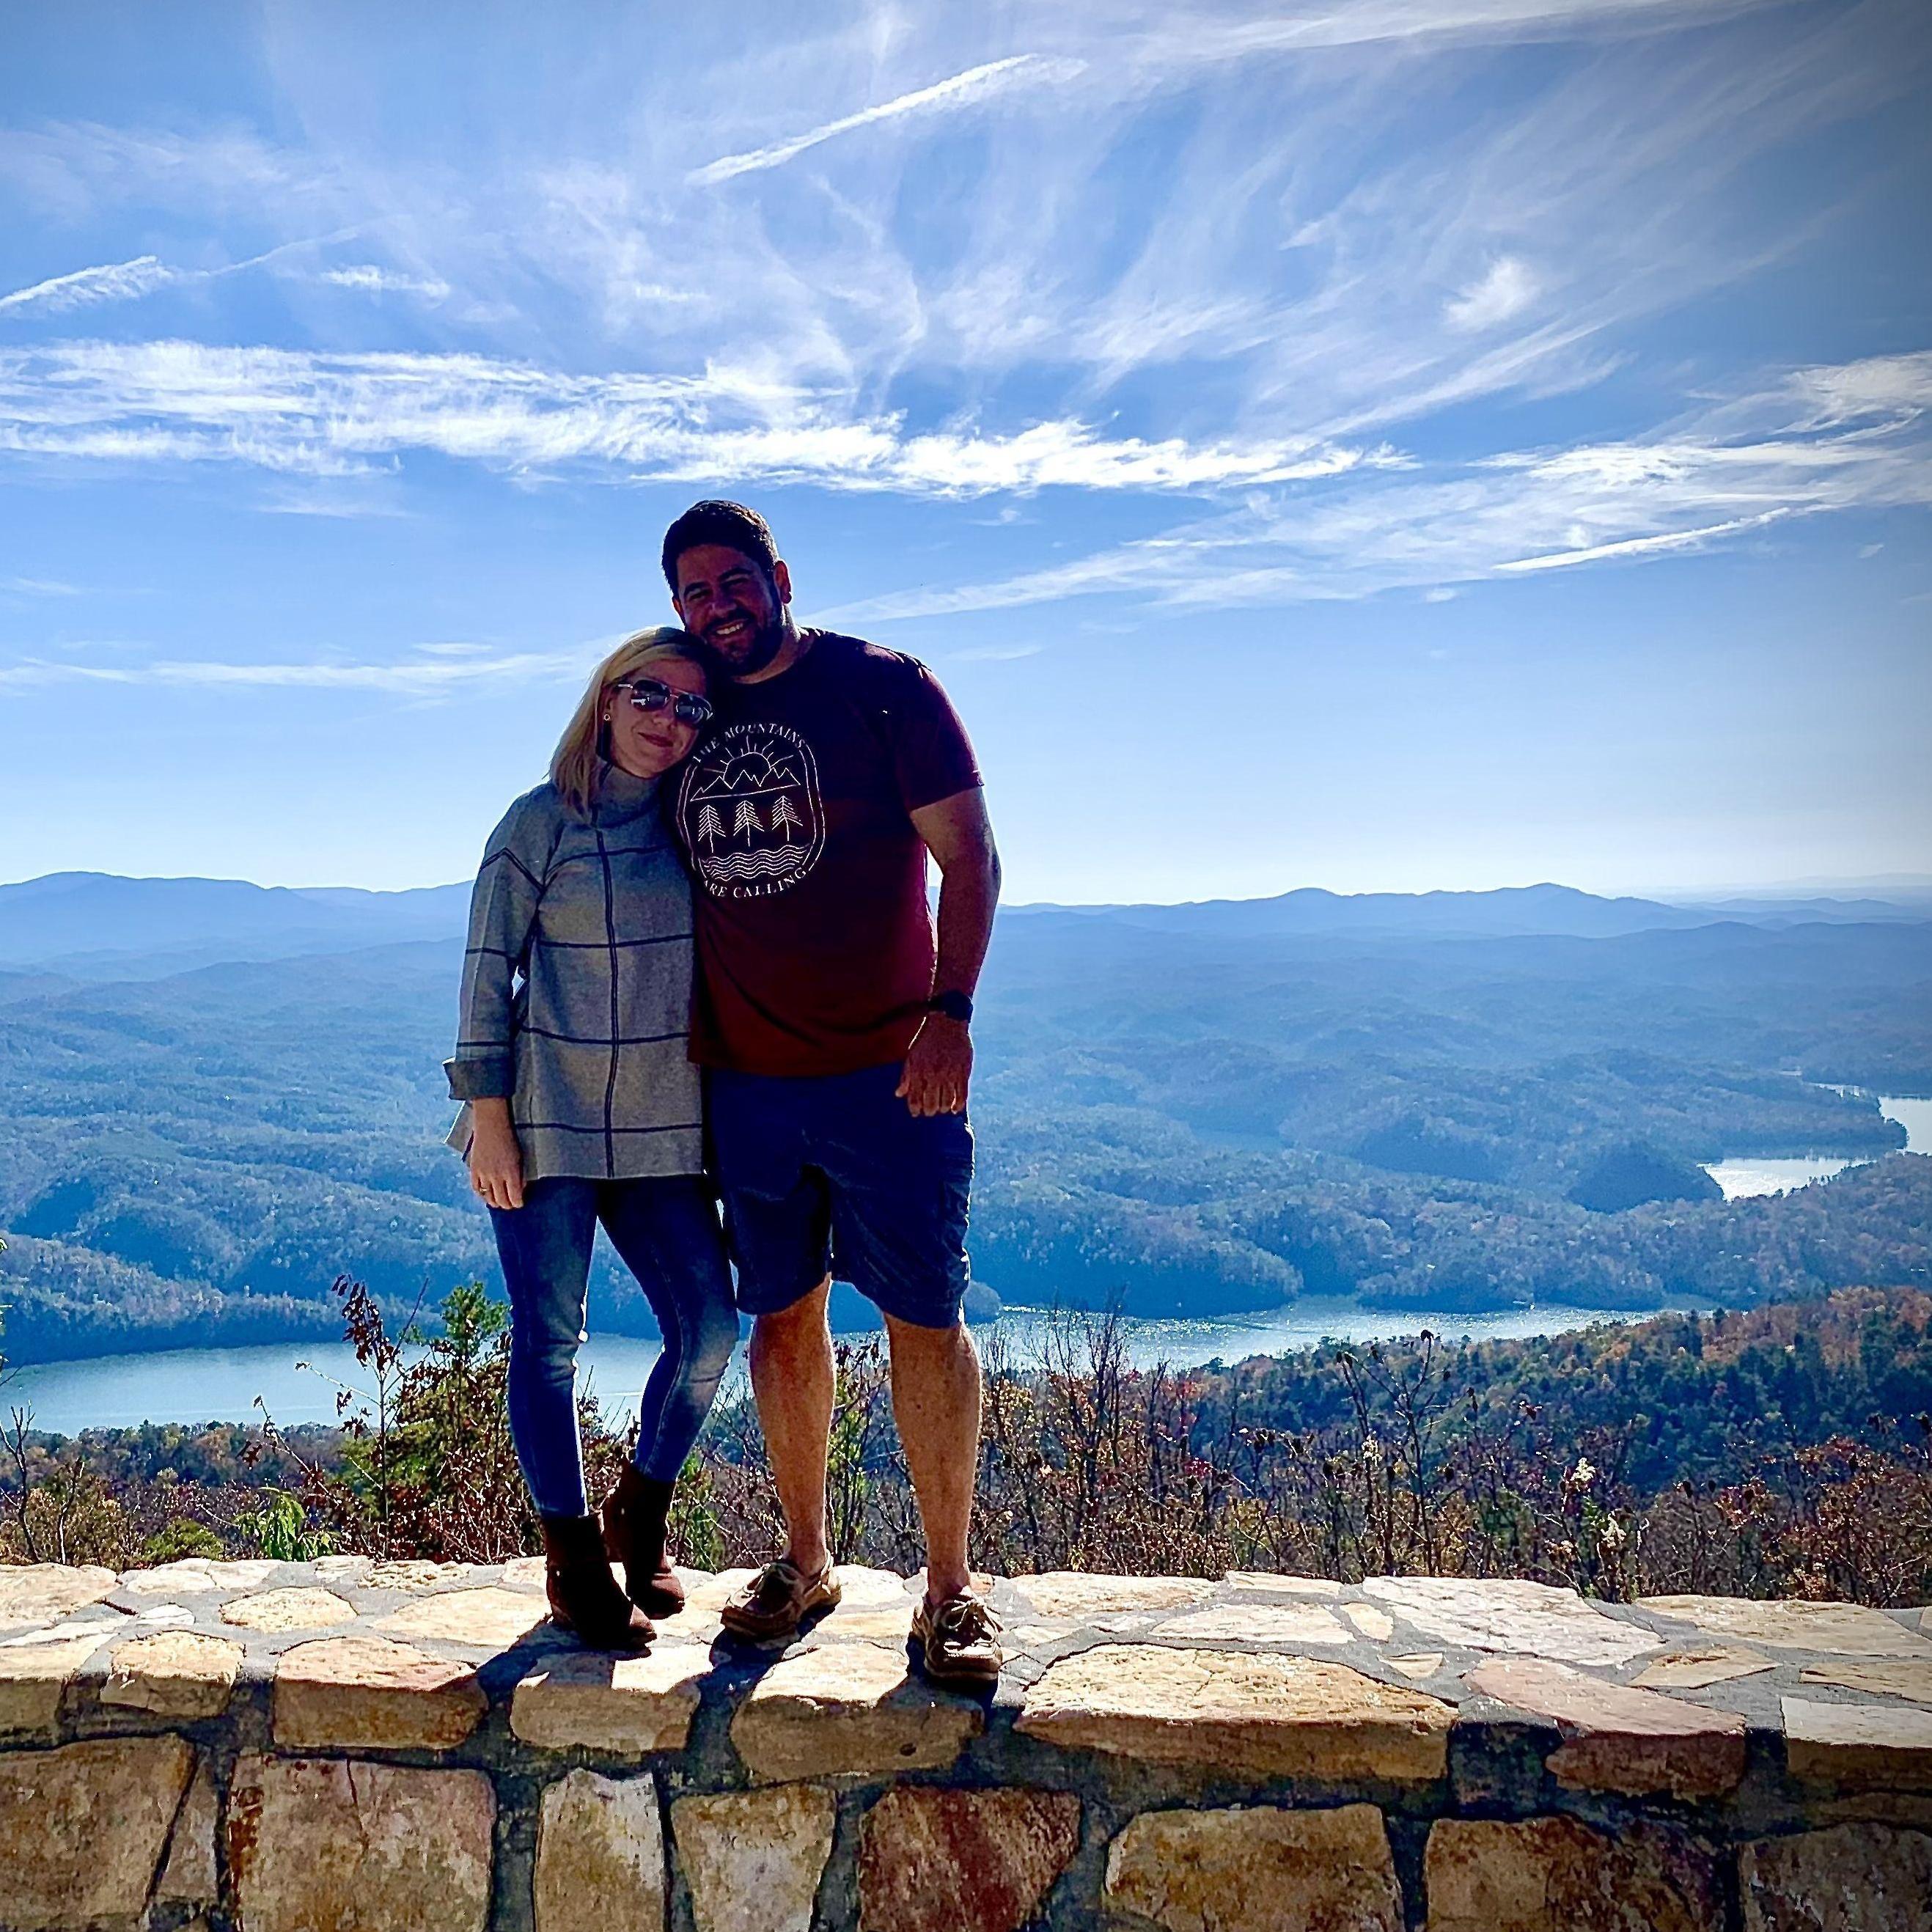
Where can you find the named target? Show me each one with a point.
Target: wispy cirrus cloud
(291, 411)
(1735, 469)
(970, 88)
(366, 278)
(441, 670)
(112, 281)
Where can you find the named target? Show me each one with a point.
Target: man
(834, 1026)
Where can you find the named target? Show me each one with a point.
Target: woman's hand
(496, 1161)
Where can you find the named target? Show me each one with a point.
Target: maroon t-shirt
(815, 939)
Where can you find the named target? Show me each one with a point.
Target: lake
(1755, 1174)
(221, 1384)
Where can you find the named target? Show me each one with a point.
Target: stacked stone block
(349, 1745)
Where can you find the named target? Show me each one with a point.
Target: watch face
(954, 1005)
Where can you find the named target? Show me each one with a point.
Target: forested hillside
(1181, 1110)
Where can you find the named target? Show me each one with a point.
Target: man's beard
(765, 644)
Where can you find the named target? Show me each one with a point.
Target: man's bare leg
(792, 1378)
(936, 1402)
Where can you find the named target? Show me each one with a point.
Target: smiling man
(834, 1024)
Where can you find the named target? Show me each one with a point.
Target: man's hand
(938, 1068)
(496, 1160)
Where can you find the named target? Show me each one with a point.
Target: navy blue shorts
(831, 1174)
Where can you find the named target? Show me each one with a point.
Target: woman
(581, 1106)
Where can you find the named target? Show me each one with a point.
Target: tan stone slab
(1279, 1583)
(84, 1828)
(344, 1845)
(1417, 1664)
(1843, 1629)
(876, 1623)
(1252, 1714)
(372, 1693)
(600, 1855)
(292, 1609)
(1883, 1747)
(1075, 1594)
(590, 1700)
(189, 1876)
(98, 1628)
(1376, 1625)
(43, 1593)
(192, 1575)
(1852, 1878)
(931, 1860)
(1032, 1636)
(1697, 1666)
(862, 1588)
(492, 1616)
(527, 1572)
(1258, 1623)
(1522, 1619)
(846, 1709)
(33, 1679)
(174, 1673)
(711, 1594)
(752, 1860)
(1556, 1875)
(1259, 1871)
(416, 1573)
(1905, 1678)
(1615, 1739)
(342, 1569)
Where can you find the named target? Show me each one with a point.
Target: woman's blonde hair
(581, 750)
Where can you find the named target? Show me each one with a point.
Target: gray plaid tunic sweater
(577, 988)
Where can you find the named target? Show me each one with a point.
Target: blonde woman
(581, 1106)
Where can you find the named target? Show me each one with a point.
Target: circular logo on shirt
(752, 816)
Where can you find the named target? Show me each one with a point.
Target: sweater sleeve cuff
(493, 1079)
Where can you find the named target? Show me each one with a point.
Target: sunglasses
(649, 694)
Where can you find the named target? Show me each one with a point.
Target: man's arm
(959, 835)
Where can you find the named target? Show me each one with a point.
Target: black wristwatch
(955, 1006)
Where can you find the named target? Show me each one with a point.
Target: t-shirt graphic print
(814, 941)
(753, 812)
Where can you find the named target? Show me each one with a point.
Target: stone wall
(353, 1747)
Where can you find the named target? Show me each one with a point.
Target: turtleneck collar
(620, 796)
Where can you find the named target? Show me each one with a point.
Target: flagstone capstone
(35, 1595)
(372, 1693)
(289, 1609)
(586, 1700)
(174, 1673)
(34, 1679)
(1524, 1619)
(849, 1710)
(1844, 1630)
(1252, 1714)
(1617, 1738)
(1862, 1746)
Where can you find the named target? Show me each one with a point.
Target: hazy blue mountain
(1193, 1110)
(98, 924)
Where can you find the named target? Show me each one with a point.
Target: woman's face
(645, 743)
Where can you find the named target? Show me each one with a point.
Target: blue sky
(1386, 445)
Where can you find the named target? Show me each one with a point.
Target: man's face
(727, 599)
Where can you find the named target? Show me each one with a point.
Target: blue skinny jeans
(667, 1234)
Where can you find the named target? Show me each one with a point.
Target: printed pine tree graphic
(783, 818)
(745, 820)
(710, 828)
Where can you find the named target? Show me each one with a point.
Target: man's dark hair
(715, 521)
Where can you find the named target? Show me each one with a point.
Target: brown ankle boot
(634, 1515)
(583, 1594)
